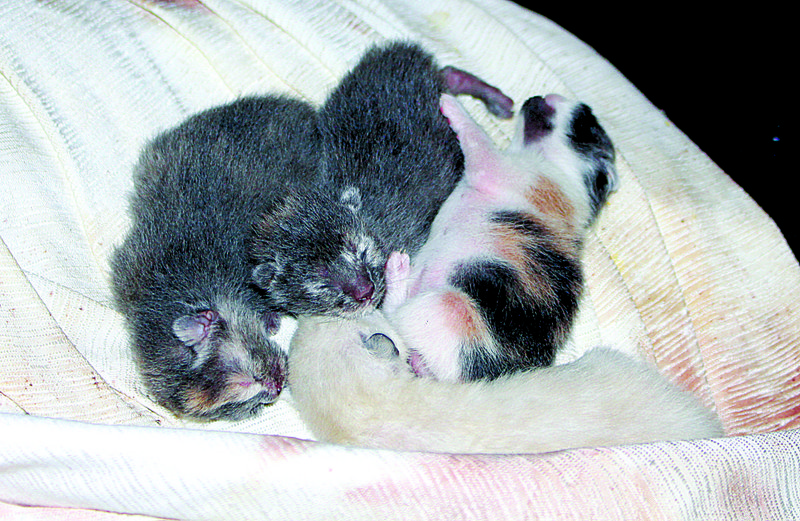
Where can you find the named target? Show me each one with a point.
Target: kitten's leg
(397, 274)
(458, 81)
(440, 329)
(484, 165)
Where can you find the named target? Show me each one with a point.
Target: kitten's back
(348, 395)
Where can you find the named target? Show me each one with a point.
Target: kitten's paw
(458, 81)
(381, 346)
(396, 274)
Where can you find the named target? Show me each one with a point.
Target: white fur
(348, 394)
(462, 232)
(345, 394)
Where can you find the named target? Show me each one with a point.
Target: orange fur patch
(510, 249)
(511, 246)
(550, 200)
(198, 401)
(462, 315)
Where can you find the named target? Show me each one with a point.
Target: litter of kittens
(679, 273)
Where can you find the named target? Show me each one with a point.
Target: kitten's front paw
(381, 346)
(396, 274)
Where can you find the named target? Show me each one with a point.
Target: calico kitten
(495, 288)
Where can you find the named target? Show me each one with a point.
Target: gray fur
(389, 160)
(383, 132)
(314, 255)
(201, 332)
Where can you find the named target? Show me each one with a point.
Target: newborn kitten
(201, 333)
(496, 287)
(389, 159)
(350, 384)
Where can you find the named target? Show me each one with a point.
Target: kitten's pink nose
(362, 290)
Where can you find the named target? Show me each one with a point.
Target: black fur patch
(588, 138)
(585, 133)
(529, 324)
(599, 187)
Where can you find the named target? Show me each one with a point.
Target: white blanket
(683, 269)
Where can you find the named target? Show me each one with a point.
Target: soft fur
(313, 254)
(495, 288)
(384, 135)
(350, 384)
(201, 332)
(389, 160)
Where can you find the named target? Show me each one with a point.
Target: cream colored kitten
(351, 385)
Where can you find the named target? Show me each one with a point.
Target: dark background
(721, 77)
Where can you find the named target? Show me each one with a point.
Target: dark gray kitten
(389, 161)
(201, 332)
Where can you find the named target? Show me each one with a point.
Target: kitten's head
(221, 363)
(568, 134)
(313, 255)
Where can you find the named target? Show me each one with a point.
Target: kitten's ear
(273, 322)
(351, 198)
(196, 332)
(264, 272)
(381, 346)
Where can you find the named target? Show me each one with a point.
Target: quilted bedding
(683, 269)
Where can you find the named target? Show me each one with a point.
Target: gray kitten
(389, 161)
(201, 331)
